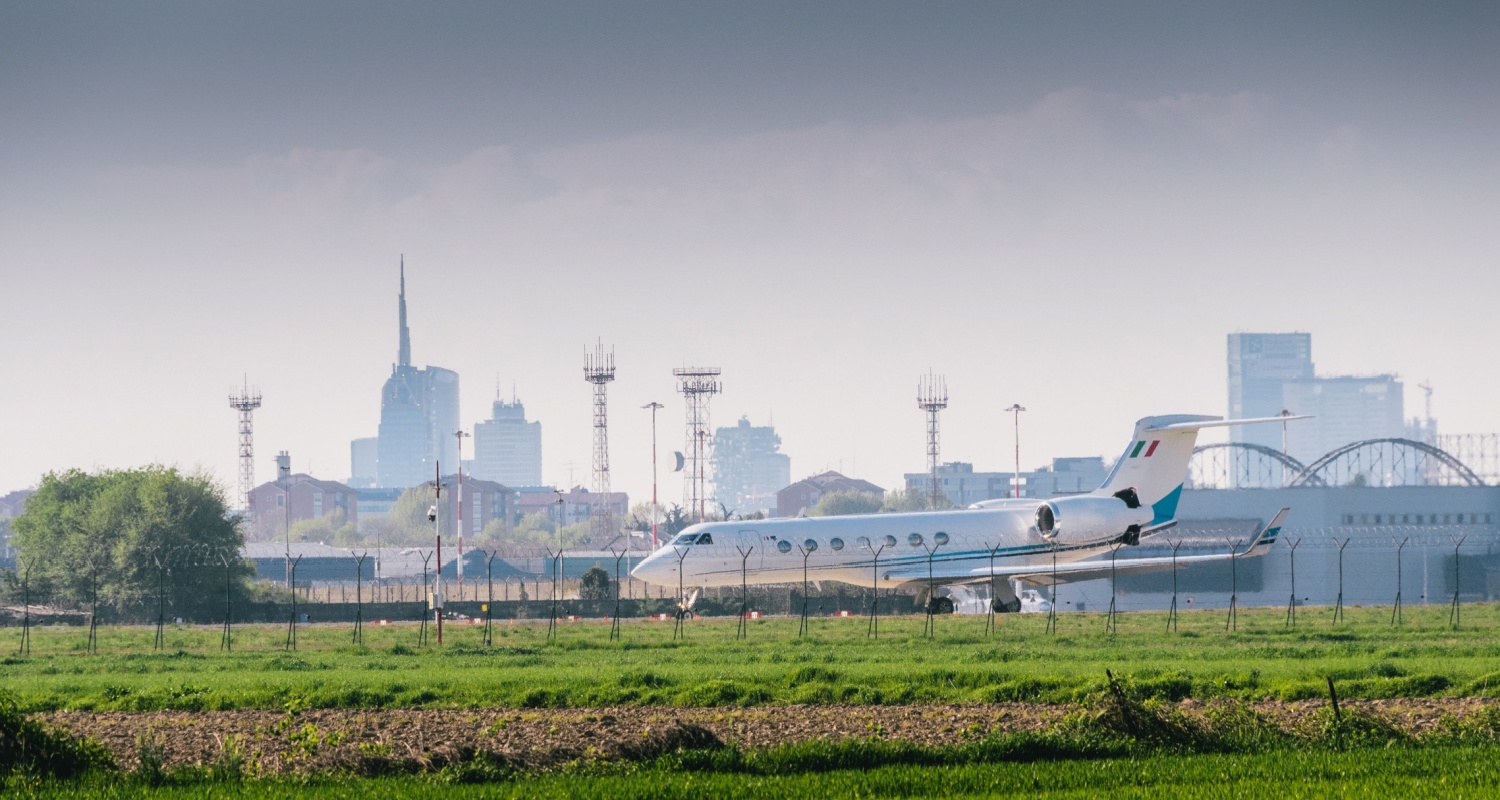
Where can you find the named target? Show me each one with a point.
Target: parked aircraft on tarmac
(1001, 542)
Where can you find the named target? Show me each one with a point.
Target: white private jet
(995, 541)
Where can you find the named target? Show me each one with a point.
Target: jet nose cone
(652, 570)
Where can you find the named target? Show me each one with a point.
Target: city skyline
(1065, 207)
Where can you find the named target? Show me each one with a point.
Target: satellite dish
(680, 461)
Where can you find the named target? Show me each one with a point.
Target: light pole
(654, 406)
(1016, 410)
(461, 435)
(437, 530)
(1284, 414)
(562, 509)
(284, 467)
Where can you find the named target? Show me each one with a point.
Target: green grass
(1456, 771)
(836, 664)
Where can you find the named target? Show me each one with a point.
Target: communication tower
(246, 403)
(599, 369)
(932, 397)
(697, 385)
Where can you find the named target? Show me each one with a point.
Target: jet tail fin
(1155, 463)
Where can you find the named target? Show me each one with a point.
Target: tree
(595, 584)
(577, 535)
(674, 521)
(837, 504)
(408, 517)
(121, 524)
(332, 528)
(914, 499)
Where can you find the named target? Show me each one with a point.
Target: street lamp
(284, 470)
(1016, 410)
(562, 509)
(437, 530)
(461, 436)
(1284, 414)
(654, 406)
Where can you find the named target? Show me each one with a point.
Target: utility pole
(461, 436)
(1016, 410)
(654, 406)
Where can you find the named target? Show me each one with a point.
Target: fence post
(291, 625)
(1338, 606)
(1172, 611)
(1454, 612)
(743, 631)
(359, 598)
(226, 639)
(1233, 622)
(1291, 603)
(1396, 609)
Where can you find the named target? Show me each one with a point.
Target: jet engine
(1089, 518)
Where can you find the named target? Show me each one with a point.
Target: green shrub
(28, 748)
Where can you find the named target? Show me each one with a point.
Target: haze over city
(1065, 206)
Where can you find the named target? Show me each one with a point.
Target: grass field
(836, 663)
(1441, 771)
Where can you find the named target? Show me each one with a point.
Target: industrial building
(958, 481)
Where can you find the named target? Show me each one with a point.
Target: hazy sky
(1066, 205)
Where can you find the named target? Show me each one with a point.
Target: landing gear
(1132, 536)
(940, 605)
(1003, 597)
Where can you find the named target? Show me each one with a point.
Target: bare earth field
(317, 739)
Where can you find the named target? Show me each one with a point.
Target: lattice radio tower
(599, 369)
(246, 403)
(697, 385)
(932, 397)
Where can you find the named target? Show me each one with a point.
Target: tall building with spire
(418, 415)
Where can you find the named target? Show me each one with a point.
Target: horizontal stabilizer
(1222, 423)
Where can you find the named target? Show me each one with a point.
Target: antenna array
(246, 403)
(932, 397)
(697, 385)
(599, 369)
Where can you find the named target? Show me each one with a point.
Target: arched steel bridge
(1370, 462)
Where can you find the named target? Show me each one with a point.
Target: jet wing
(1072, 572)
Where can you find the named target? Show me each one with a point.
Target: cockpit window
(704, 538)
(692, 538)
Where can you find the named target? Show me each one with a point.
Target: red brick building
(804, 494)
(311, 498)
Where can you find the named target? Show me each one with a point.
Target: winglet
(1267, 536)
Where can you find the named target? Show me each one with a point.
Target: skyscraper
(507, 448)
(1260, 366)
(748, 470)
(418, 415)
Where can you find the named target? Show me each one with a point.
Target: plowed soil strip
(278, 741)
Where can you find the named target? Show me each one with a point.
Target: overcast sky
(1065, 205)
